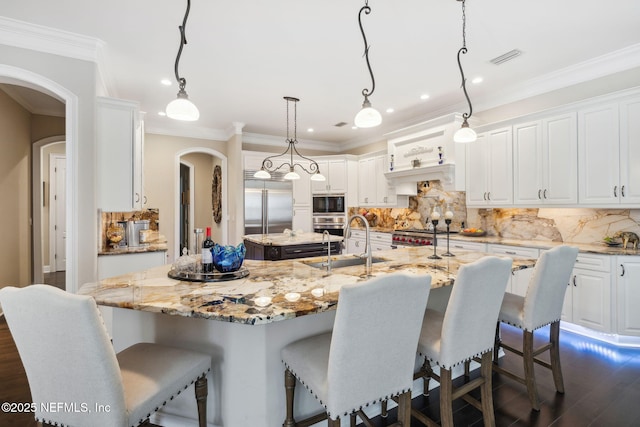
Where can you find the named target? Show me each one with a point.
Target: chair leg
(404, 409)
(202, 391)
(446, 390)
(333, 423)
(426, 366)
(353, 420)
(467, 365)
(383, 409)
(497, 342)
(529, 374)
(486, 392)
(554, 353)
(289, 387)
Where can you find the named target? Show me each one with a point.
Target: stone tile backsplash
(579, 225)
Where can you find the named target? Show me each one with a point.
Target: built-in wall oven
(329, 213)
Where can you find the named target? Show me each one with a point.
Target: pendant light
(181, 108)
(367, 117)
(267, 164)
(465, 133)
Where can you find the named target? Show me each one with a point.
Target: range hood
(405, 181)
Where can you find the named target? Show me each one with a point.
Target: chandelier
(268, 163)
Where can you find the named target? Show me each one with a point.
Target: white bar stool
(464, 331)
(68, 358)
(349, 369)
(541, 306)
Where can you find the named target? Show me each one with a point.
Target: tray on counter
(215, 276)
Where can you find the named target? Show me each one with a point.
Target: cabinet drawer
(380, 238)
(593, 262)
(357, 234)
(467, 246)
(514, 251)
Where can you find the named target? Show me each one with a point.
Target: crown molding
(190, 132)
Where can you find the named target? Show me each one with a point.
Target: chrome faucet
(347, 233)
(328, 264)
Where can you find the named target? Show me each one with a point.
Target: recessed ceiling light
(477, 80)
(424, 96)
(162, 113)
(166, 82)
(390, 110)
(310, 130)
(354, 127)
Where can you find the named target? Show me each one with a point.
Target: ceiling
(243, 56)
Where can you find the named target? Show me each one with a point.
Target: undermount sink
(347, 262)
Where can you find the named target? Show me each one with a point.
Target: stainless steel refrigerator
(268, 204)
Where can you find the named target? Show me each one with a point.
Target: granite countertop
(235, 301)
(150, 247)
(285, 239)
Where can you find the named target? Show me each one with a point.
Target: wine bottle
(207, 255)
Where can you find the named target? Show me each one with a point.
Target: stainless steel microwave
(329, 204)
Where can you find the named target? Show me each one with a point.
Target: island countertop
(283, 239)
(235, 300)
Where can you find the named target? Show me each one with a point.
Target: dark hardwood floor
(602, 385)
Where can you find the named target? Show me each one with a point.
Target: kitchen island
(279, 246)
(244, 339)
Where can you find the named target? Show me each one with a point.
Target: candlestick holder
(448, 222)
(435, 241)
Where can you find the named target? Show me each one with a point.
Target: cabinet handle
(615, 191)
(137, 197)
(510, 253)
(622, 267)
(622, 191)
(574, 281)
(145, 200)
(544, 193)
(488, 195)
(539, 191)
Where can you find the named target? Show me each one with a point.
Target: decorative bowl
(228, 258)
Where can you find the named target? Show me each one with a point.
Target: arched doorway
(21, 77)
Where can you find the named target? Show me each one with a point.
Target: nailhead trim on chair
(457, 363)
(346, 414)
(525, 329)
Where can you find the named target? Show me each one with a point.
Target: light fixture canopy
(465, 133)
(181, 108)
(268, 164)
(367, 117)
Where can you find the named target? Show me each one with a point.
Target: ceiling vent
(498, 60)
(340, 124)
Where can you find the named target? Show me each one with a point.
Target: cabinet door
(139, 197)
(302, 219)
(385, 192)
(500, 177)
(560, 160)
(567, 305)
(355, 246)
(592, 299)
(337, 176)
(115, 133)
(302, 188)
(598, 155)
(630, 151)
(366, 182)
(477, 169)
(527, 158)
(319, 187)
(628, 295)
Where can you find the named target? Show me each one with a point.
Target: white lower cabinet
(115, 265)
(627, 270)
(356, 244)
(588, 299)
(519, 279)
(463, 245)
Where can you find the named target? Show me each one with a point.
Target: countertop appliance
(414, 237)
(133, 232)
(268, 204)
(329, 204)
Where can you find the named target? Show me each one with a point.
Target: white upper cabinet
(302, 187)
(335, 172)
(119, 150)
(373, 187)
(609, 154)
(385, 192)
(545, 161)
(490, 169)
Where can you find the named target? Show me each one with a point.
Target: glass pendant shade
(465, 134)
(368, 117)
(292, 175)
(318, 177)
(182, 109)
(262, 174)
